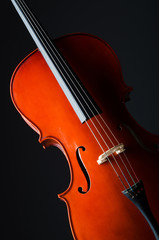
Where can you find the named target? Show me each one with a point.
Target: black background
(32, 177)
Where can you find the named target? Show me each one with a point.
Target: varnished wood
(103, 212)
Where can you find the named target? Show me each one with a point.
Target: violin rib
(103, 212)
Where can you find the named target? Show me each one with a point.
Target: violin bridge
(114, 150)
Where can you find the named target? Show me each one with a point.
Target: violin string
(107, 157)
(88, 116)
(123, 152)
(98, 132)
(90, 102)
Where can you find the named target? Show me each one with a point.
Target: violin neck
(77, 95)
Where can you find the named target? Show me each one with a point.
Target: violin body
(96, 207)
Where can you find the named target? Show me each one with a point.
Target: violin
(71, 92)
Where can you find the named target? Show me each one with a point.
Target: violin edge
(125, 88)
(47, 143)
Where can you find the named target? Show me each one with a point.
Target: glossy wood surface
(103, 212)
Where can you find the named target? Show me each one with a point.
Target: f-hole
(80, 189)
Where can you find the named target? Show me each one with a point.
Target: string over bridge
(116, 149)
